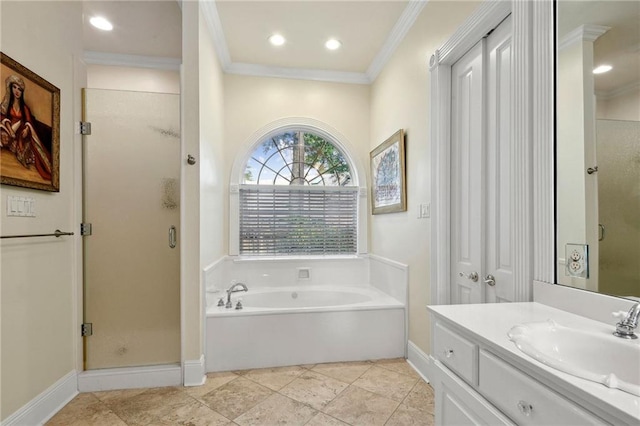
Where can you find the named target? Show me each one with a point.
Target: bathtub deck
(373, 392)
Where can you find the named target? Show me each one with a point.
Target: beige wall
(400, 99)
(130, 78)
(212, 178)
(625, 106)
(38, 279)
(570, 176)
(253, 102)
(212, 172)
(202, 184)
(190, 298)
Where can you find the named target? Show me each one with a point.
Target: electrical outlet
(577, 256)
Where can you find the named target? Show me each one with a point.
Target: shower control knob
(490, 279)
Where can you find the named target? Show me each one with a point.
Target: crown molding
(211, 17)
(115, 59)
(297, 73)
(586, 32)
(488, 15)
(397, 34)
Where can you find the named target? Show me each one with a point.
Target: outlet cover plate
(577, 260)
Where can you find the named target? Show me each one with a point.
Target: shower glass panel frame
(131, 197)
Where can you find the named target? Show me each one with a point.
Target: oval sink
(598, 357)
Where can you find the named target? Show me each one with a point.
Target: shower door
(618, 153)
(131, 164)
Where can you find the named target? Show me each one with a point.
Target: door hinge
(86, 329)
(85, 229)
(85, 128)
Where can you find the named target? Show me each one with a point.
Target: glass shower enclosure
(131, 191)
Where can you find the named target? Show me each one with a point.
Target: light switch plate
(577, 260)
(21, 206)
(424, 210)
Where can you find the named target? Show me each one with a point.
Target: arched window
(297, 197)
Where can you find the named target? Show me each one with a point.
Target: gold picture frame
(29, 128)
(388, 180)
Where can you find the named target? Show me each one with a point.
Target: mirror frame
(544, 142)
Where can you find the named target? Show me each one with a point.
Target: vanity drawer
(526, 401)
(456, 352)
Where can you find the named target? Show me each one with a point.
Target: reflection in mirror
(598, 146)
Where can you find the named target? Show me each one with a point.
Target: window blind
(303, 220)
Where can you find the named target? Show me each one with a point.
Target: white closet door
(499, 257)
(467, 129)
(481, 187)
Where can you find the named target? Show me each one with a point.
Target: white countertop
(491, 322)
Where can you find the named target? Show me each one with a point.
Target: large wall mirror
(598, 146)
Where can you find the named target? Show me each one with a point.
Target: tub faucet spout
(234, 289)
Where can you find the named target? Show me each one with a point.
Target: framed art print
(388, 188)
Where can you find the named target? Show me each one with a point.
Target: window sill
(240, 258)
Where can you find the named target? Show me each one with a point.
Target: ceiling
(369, 32)
(619, 46)
(141, 28)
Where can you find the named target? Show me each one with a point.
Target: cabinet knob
(448, 353)
(525, 408)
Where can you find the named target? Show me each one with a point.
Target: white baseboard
(419, 360)
(47, 404)
(194, 374)
(130, 378)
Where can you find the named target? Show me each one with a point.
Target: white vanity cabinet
(479, 382)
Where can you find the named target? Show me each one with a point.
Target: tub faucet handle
(221, 301)
(239, 304)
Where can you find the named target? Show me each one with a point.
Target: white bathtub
(303, 325)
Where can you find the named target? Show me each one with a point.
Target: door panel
(481, 173)
(466, 148)
(131, 198)
(499, 258)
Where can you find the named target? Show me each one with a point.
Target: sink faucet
(236, 287)
(625, 328)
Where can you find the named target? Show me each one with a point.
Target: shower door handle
(172, 236)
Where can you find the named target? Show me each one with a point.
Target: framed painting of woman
(29, 128)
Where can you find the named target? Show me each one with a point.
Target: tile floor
(382, 392)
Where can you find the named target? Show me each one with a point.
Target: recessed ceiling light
(277, 40)
(602, 69)
(101, 23)
(333, 44)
